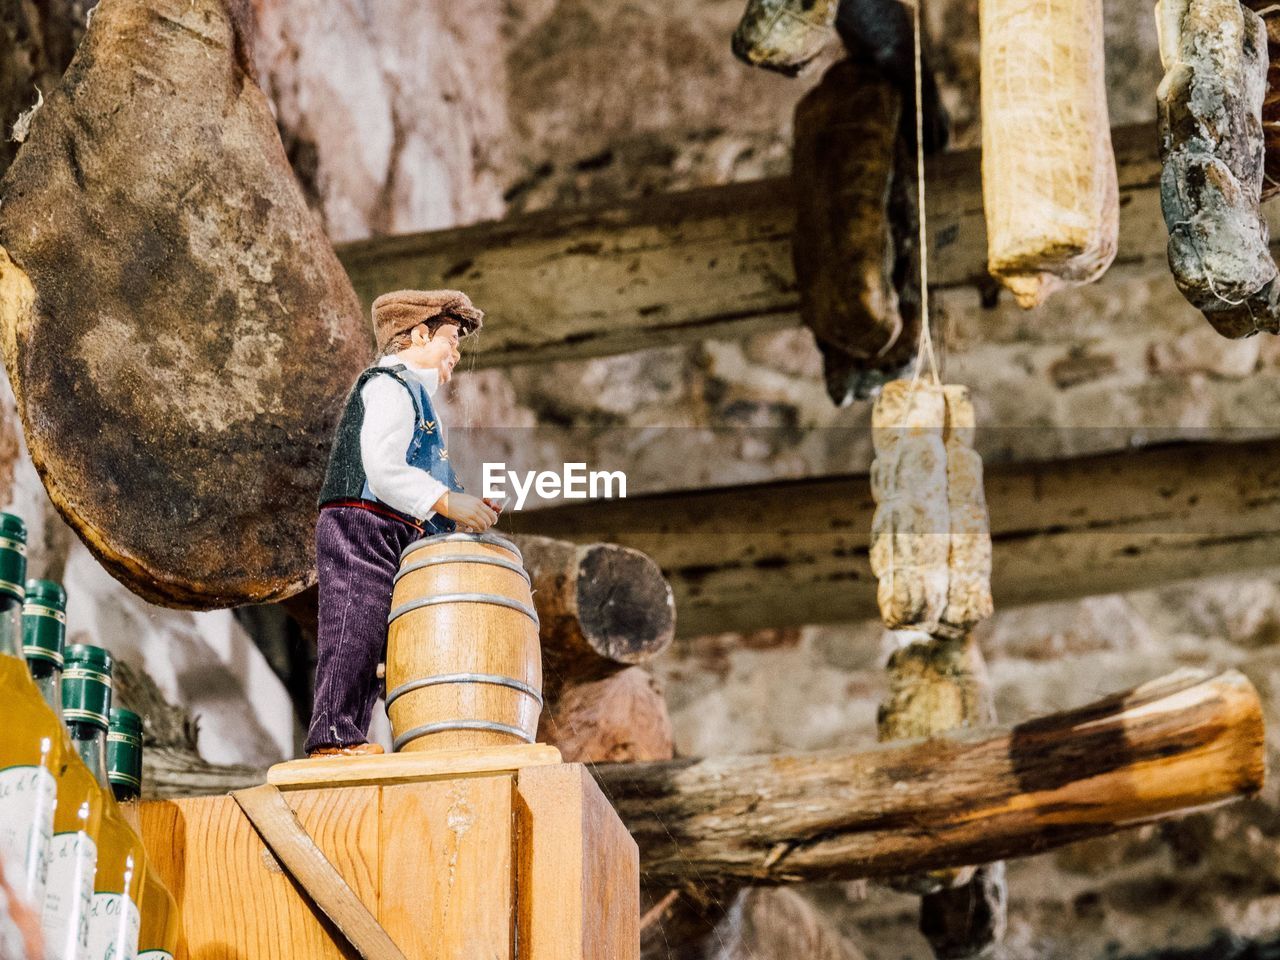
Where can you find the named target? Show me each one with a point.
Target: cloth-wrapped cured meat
(910, 531)
(930, 543)
(937, 678)
(969, 560)
(1212, 150)
(1048, 174)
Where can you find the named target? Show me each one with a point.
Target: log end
(1248, 743)
(625, 606)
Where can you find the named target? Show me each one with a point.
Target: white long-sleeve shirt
(385, 434)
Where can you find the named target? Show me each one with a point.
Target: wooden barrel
(464, 668)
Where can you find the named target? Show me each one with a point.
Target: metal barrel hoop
(462, 558)
(491, 598)
(429, 728)
(496, 679)
(492, 539)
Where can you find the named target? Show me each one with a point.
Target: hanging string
(925, 350)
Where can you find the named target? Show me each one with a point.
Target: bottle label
(68, 897)
(155, 955)
(27, 796)
(113, 927)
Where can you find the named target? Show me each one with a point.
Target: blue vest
(427, 450)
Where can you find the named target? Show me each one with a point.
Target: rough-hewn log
(795, 552)
(182, 773)
(158, 275)
(619, 719)
(1183, 742)
(687, 266)
(602, 607)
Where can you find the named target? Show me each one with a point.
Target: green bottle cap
(86, 685)
(124, 750)
(13, 555)
(44, 621)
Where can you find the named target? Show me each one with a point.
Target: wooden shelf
(395, 768)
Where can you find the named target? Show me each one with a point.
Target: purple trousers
(357, 555)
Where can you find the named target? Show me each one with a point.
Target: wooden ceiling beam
(684, 267)
(795, 552)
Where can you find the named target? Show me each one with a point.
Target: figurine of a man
(389, 483)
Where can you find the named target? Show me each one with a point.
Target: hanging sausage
(910, 531)
(1212, 150)
(855, 243)
(1048, 174)
(930, 546)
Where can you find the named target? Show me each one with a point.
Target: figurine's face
(439, 352)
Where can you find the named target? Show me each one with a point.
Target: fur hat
(401, 310)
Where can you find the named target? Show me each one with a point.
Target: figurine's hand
(471, 514)
(494, 503)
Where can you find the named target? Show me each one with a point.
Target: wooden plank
(706, 263)
(395, 768)
(577, 870)
(446, 868)
(768, 555)
(199, 846)
(611, 875)
(1178, 744)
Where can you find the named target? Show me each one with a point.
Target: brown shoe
(351, 750)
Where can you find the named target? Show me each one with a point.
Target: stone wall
(404, 116)
(1138, 362)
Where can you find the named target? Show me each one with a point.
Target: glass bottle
(158, 936)
(30, 737)
(73, 853)
(117, 885)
